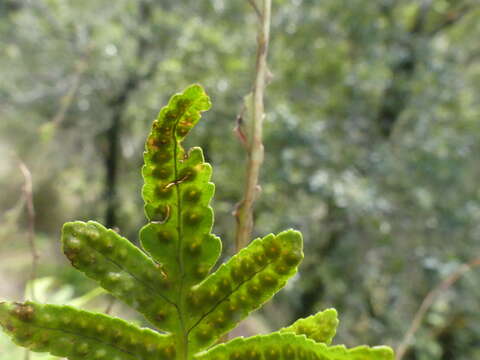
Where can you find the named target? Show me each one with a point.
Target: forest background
(372, 136)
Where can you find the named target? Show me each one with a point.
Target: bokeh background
(372, 138)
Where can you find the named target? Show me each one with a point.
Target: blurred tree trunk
(118, 104)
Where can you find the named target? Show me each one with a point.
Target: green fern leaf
(242, 285)
(320, 327)
(177, 194)
(288, 346)
(122, 269)
(76, 334)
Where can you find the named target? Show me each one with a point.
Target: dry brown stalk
(428, 301)
(254, 145)
(27, 191)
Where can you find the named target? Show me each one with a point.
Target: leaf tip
(198, 93)
(292, 236)
(293, 241)
(384, 352)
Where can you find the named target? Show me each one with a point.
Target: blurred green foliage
(371, 138)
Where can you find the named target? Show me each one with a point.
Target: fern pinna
(170, 282)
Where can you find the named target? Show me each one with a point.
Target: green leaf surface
(242, 285)
(81, 335)
(320, 327)
(122, 269)
(177, 194)
(288, 346)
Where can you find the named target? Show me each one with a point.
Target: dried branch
(428, 301)
(238, 129)
(27, 191)
(244, 210)
(256, 9)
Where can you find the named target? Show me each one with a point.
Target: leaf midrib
(180, 305)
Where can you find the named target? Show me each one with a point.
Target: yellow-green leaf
(320, 327)
(81, 335)
(242, 285)
(288, 346)
(122, 269)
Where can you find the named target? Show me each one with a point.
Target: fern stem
(244, 213)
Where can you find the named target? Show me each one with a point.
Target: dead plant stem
(428, 301)
(254, 145)
(28, 195)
